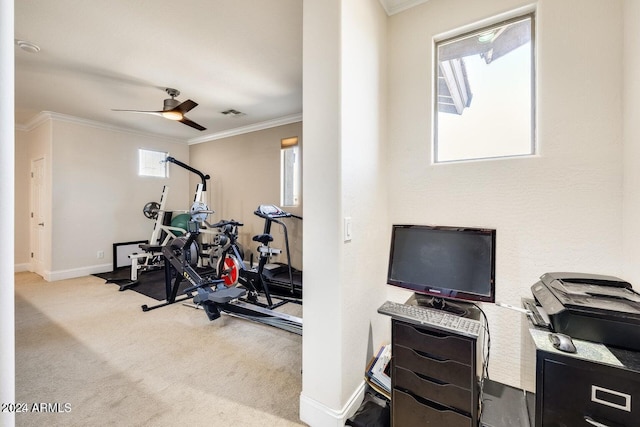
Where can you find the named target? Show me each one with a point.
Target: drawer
(407, 411)
(573, 392)
(445, 371)
(446, 394)
(441, 345)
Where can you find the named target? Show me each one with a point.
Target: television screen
(444, 262)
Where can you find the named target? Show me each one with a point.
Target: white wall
(95, 197)
(344, 175)
(322, 344)
(557, 211)
(364, 184)
(631, 132)
(7, 335)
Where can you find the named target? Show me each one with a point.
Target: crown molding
(45, 116)
(294, 118)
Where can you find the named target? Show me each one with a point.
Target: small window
(289, 172)
(152, 163)
(485, 93)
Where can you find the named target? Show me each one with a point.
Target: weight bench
(150, 251)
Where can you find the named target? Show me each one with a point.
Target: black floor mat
(150, 283)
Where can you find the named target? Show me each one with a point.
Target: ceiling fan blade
(191, 123)
(186, 106)
(173, 110)
(155, 113)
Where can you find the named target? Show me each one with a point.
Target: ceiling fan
(174, 109)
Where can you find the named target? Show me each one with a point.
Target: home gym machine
(165, 227)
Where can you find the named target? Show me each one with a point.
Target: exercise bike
(257, 304)
(276, 278)
(207, 288)
(262, 280)
(222, 289)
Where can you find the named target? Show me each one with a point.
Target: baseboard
(20, 268)
(52, 276)
(316, 414)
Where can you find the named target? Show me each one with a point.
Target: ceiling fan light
(172, 115)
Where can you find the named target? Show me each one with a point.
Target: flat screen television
(446, 263)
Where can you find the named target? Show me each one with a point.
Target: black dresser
(434, 377)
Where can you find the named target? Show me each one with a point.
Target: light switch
(347, 228)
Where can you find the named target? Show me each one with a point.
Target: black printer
(591, 307)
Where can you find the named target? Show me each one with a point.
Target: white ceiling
(101, 55)
(396, 6)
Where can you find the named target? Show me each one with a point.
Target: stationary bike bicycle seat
(263, 238)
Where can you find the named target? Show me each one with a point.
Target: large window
(485, 93)
(289, 172)
(152, 163)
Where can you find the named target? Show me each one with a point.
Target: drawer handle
(594, 423)
(627, 398)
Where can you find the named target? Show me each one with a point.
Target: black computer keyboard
(432, 317)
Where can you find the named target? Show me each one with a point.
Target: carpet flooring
(89, 352)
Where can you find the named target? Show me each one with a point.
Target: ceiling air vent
(233, 113)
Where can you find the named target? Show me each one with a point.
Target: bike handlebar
(273, 212)
(226, 222)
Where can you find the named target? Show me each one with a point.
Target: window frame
(141, 167)
(477, 30)
(286, 144)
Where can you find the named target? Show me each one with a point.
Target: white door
(38, 225)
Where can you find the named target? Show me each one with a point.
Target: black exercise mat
(150, 283)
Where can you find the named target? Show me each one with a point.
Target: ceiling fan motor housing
(170, 104)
